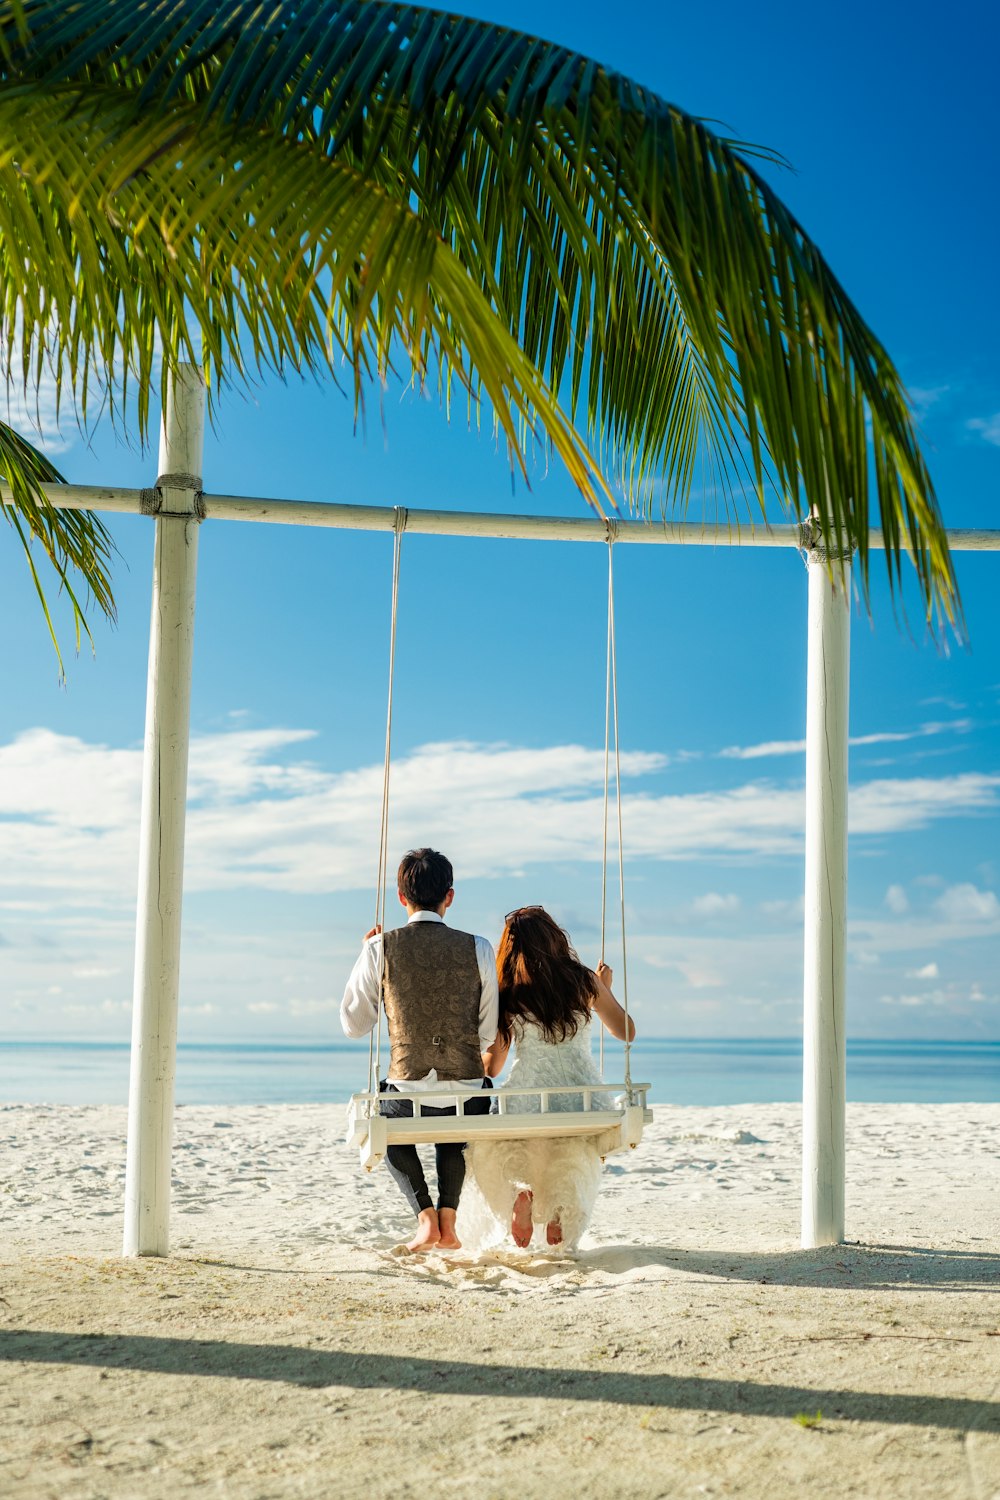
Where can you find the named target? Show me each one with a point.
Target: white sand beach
(288, 1348)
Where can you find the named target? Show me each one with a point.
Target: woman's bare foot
(553, 1232)
(520, 1224)
(428, 1230)
(449, 1239)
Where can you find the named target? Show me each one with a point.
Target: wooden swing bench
(621, 1125)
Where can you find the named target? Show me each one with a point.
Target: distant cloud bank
(263, 815)
(270, 829)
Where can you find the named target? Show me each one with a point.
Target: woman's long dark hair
(540, 977)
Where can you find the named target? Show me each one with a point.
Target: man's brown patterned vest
(431, 991)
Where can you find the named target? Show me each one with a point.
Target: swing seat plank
(619, 1127)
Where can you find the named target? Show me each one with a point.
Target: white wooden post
(824, 1085)
(176, 504)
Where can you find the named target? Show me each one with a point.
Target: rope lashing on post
(151, 500)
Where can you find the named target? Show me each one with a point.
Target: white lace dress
(562, 1172)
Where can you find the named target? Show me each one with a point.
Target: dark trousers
(449, 1159)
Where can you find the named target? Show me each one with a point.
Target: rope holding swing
(611, 720)
(400, 514)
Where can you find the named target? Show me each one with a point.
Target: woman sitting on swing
(547, 997)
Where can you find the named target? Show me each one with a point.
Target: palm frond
(642, 262)
(323, 262)
(74, 542)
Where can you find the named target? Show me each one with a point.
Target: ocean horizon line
(682, 1070)
(305, 1044)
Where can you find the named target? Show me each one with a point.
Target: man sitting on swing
(439, 988)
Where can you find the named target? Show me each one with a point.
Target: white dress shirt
(360, 1005)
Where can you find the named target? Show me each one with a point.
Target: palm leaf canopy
(297, 182)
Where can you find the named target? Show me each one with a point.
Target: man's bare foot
(553, 1232)
(520, 1224)
(449, 1239)
(428, 1230)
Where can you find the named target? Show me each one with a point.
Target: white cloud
(914, 933)
(782, 910)
(313, 1007)
(922, 398)
(953, 703)
(34, 409)
(988, 428)
(757, 752)
(714, 904)
(35, 412)
(895, 804)
(883, 737)
(896, 900)
(886, 737)
(105, 1009)
(63, 781)
(952, 997)
(699, 977)
(929, 971)
(689, 962)
(967, 903)
(230, 767)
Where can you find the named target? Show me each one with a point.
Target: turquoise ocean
(681, 1071)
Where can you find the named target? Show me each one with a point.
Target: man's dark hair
(425, 877)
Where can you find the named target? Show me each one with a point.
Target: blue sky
(499, 707)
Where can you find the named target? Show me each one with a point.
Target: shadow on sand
(867, 1267)
(317, 1369)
